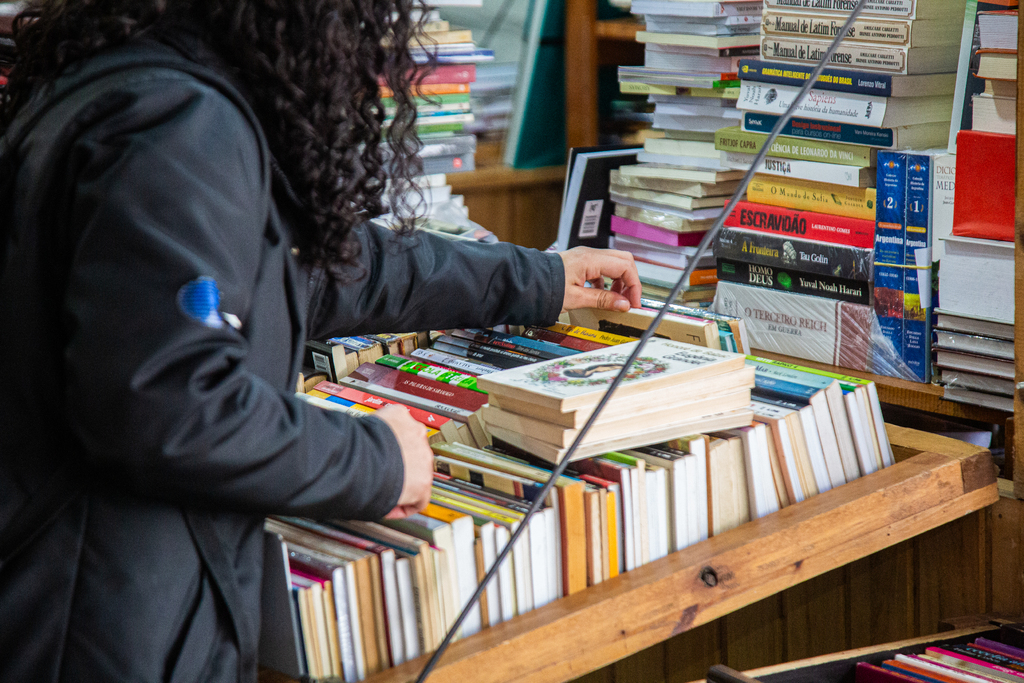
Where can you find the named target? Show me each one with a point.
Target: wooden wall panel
(810, 612)
(755, 636)
(689, 655)
(521, 207)
(1006, 540)
(647, 666)
(951, 578)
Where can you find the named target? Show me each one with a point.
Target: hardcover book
(780, 251)
(786, 280)
(919, 136)
(849, 80)
(735, 139)
(579, 381)
(804, 225)
(809, 327)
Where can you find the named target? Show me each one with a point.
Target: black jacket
(131, 183)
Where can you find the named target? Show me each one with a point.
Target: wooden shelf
(936, 480)
(618, 29)
(504, 177)
(900, 392)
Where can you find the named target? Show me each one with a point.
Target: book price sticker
(591, 218)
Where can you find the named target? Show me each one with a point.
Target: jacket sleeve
(426, 282)
(169, 207)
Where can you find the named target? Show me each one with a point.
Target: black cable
(496, 22)
(709, 236)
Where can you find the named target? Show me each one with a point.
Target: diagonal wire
(709, 236)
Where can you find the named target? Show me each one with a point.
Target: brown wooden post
(581, 73)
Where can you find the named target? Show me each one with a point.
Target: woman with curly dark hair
(184, 190)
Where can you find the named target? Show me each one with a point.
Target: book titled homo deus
(770, 277)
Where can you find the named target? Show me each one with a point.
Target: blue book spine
(781, 388)
(839, 80)
(890, 251)
(340, 401)
(821, 130)
(527, 343)
(917, 277)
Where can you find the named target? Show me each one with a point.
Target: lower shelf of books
(895, 391)
(936, 480)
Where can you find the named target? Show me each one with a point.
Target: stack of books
(541, 408)
(974, 358)
(983, 661)
(995, 108)
(665, 203)
(821, 183)
(976, 275)
(491, 100)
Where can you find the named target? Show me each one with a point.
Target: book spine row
(770, 277)
(829, 131)
(840, 80)
(807, 225)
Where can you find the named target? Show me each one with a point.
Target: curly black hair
(312, 70)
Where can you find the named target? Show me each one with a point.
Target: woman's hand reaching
(583, 265)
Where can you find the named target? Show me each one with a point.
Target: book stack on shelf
(987, 65)
(724, 439)
(665, 203)
(995, 108)
(491, 99)
(982, 661)
(836, 163)
(974, 340)
(443, 110)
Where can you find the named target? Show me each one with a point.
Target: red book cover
(445, 73)
(363, 398)
(869, 673)
(389, 378)
(808, 225)
(983, 201)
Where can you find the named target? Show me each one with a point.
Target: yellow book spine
(593, 335)
(646, 88)
(613, 538)
(442, 514)
(803, 195)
